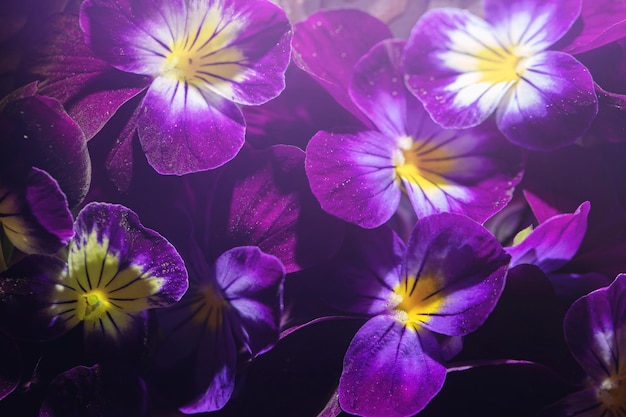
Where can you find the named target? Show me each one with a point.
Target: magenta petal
(390, 370)
(595, 331)
(263, 199)
(553, 243)
(101, 390)
(378, 90)
(600, 22)
(464, 266)
(328, 44)
(532, 22)
(353, 176)
(183, 129)
(119, 162)
(553, 104)
(90, 89)
(252, 282)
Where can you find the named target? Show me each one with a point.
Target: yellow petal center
(417, 300)
(421, 164)
(209, 307)
(501, 65)
(205, 55)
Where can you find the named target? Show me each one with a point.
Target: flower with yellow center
(116, 270)
(464, 69)
(443, 284)
(205, 58)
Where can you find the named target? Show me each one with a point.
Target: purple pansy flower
(419, 298)
(464, 69)
(44, 171)
(595, 331)
(237, 301)
(204, 57)
(360, 176)
(116, 269)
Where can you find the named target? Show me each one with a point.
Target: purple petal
(259, 37)
(132, 36)
(453, 275)
(119, 162)
(552, 106)
(38, 132)
(34, 213)
(531, 22)
(553, 243)
(183, 129)
(195, 361)
(101, 390)
(90, 89)
(263, 199)
(585, 173)
(600, 22)
(378, 90)
(328, 44)
(390, 370)
(214, 371)
(353, 176)
(361, 278)
(252, 282)
(595, 331)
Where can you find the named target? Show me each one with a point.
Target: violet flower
(44, 171)
(250, 223)
(595, 331)
(419, 299)
(359, 176)
(464, 69)
(235, 302)
(116, 269)
(204, 58)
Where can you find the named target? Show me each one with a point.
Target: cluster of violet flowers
(210, 209)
